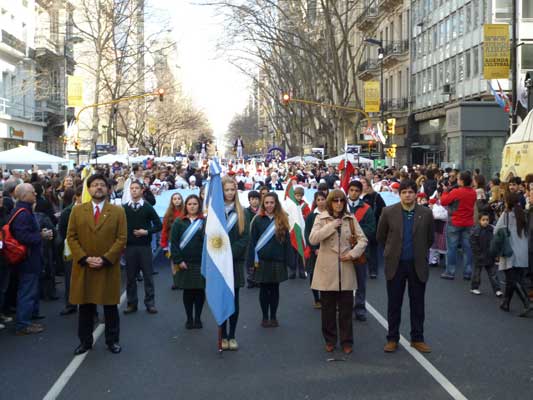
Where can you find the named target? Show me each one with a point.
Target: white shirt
(132, 203)
(99, 205)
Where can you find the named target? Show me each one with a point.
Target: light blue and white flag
(217, 259)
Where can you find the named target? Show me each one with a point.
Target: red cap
(395, 185)
(433, 201)
(421, 195)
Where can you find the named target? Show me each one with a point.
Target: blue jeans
(454, 236)
(27, 299)
(360, 294)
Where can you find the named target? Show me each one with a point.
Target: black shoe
(155, 272)
(68, 311)
(173, 287)
(37, 317)
(151, 310)
(82, 348)
(130, 310)
(114, 348)
(139, 278)
(302, 275)
(360, 317)
(467, 277)
(52, 298)
(292, 276)
(252, 285)
(373, 276)
(189, 325)
(197, 324)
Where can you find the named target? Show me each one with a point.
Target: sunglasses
(338, 200)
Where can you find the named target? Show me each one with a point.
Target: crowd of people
(398, 222)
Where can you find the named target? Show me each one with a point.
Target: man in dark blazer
(406, 231)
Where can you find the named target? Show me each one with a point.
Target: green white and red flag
(296, 220)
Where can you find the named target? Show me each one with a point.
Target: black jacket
(480, 242)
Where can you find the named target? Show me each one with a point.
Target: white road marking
(76, 362)
(434, 372)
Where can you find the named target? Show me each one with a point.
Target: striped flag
(217, 258)
(296, 220)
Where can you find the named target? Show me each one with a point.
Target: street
(483, 352)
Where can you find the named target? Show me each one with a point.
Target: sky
(215, 86)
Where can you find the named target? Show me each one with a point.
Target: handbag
(13, 251)
(353, 242)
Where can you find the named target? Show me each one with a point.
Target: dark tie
(96, 215)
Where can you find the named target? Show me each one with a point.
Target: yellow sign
(372, 96)
(75, 91)
(496, 51)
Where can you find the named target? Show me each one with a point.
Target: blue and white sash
(231, 221)
(190, 232)
(264, 239)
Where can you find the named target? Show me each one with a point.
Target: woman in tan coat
(334, 276)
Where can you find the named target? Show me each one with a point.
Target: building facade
(20, 122)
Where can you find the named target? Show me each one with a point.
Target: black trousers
(331, 301)
(139, 258)
(232, 320)
(86, 323)
(406, 274)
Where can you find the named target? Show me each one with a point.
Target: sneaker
(4, 319)
(475, 291)
(225, 344)
(448, 277)
(29, 330)
(233, 345)
(499, 293)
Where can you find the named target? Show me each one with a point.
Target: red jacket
(461, 202)
(166, 230)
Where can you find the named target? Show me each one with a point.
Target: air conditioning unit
(448, 89)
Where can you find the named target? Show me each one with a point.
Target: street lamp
(381, 55)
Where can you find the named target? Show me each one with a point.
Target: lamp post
(381, 55)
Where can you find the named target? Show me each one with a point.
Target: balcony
(389, 5)
(367, 69)
(368, 18)
(46, 47)
(10, 109)
(396, 105)
(395, 52)
(11, 45)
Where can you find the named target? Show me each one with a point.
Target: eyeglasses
(338, 200)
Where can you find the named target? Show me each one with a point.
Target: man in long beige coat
(96, 235)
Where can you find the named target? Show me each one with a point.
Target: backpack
(13, 251)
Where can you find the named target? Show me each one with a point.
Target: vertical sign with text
(496, 51)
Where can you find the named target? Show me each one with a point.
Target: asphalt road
(484, 352)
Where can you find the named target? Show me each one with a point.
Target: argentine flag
(217, 259)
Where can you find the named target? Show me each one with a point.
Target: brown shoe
(421, 347)
(151, 310)
(347, 349)
(274, 323)
(130, 309)
(30, 330)
(330, 347)
(390, 347)
(265, 323)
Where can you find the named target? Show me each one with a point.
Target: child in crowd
(440, 215)
(480, 241)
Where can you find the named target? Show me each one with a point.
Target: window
(442, 38)
(447, 71)
(527, 56)
(527, 9)
(461, 22)
(435, 83)
(468, 17)
(453, 70)
(503, 9)
(435, 37)
(441, 74)
(460, 67)
(454, 25)
(424, 82)
(468, 66)
(475, 13)
(475, 62)
(400, 94)
(448, 30)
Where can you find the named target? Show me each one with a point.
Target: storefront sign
(16, 133)
(372, 96)
(496, 51)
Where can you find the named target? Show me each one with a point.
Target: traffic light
(161, 93)
(286, 98)
(77, 144)
(370, 143)
(391, 151)
(391, 126)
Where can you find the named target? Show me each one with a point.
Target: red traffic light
(161, 93)
(286, 98)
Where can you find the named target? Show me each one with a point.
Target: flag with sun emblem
(217, 259)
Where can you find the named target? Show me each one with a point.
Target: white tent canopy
(524, 132)
(307, 159)
(351, 157)
(24, 155)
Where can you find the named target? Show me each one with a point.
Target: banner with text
(496, 51)
(372, 96)
(75, 91)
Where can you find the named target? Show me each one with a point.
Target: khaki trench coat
(326, 276)
(106, 239)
